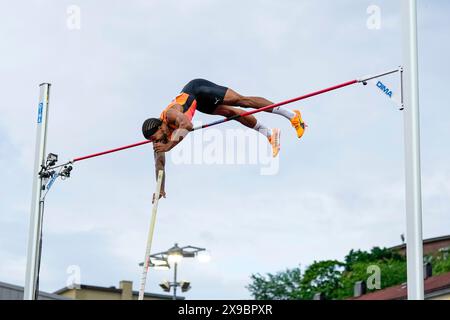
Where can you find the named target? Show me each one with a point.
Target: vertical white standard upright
(37, 204)
(414, 243)
(150, 236)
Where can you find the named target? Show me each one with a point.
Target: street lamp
(174, 255)
(185, 286)
(171, 258)
(159, 264)
(165, 286)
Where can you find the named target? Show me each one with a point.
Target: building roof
(13, 292)
(425, 241)
(116, 290)
(433, 286)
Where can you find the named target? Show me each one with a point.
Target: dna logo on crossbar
(385, 89)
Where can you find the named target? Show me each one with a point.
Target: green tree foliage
(392, 272)
(280, 286)
(336, 279)
(333, 278)
(322, 276)
(440, 263)
(375, 255)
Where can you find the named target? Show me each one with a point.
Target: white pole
(414, 244)
(150, 236)
(37, 205)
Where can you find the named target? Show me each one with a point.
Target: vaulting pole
(150, 236)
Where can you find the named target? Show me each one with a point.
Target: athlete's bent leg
(294, 116)
(250, 121)
(228, 111)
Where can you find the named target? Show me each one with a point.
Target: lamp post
(175, 255)
(171, 258)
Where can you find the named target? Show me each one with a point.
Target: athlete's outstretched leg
(232, 98)
(251, 122)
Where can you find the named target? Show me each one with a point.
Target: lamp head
(165, 286)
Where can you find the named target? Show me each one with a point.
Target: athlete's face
(162, 135)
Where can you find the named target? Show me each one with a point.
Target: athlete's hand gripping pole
(150, 235)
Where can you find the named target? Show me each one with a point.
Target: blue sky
(340, 187)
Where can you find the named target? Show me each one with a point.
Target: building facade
(13, 292)
(123, 292)
(84, 292)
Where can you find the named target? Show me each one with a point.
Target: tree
(440, 263)
(391, 272)
(375, 255)
(324, 277)
(280, 286)
(333, 278)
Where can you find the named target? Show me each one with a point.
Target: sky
(112, 64)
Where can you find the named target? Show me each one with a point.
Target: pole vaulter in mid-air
(175, 122)
(205, 96)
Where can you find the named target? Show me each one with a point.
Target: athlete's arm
(160, 163)
(183, 125)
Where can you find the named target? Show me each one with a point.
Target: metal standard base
(37, 203)
(414, 239)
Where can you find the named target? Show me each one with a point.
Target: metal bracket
(49, 175)
(402, 102)
(365, 80)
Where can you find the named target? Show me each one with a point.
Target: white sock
(285, 112)
(262, 129)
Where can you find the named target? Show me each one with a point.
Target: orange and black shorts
(207, 94)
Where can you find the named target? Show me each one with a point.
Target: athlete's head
(155, 130)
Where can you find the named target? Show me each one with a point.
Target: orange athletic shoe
(274, 140)
(298, 123)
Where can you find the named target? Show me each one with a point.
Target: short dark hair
(150, 126)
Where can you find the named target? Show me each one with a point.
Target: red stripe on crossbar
(112, 150)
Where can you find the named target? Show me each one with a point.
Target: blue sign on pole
(40, 109)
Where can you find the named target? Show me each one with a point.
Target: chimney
(319, 296)
(427, 270)
(127, 290)
(360, 289)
